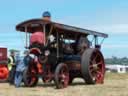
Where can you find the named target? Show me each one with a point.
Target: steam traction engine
(58, 55)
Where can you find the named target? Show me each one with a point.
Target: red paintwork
(37, 37)
(99, 72)
(3, 54)
(39, 67)
(4, 72)
(35, 51)
(47, 74)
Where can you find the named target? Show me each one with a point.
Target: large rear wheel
(93, 66)
(61, 76)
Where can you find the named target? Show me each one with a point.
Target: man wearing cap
(11, 67)
(46, 16)
(27, 58)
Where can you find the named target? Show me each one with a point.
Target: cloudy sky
(107, 16)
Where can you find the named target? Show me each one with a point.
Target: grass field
(114, 85)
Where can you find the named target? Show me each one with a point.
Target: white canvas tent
(117, 68)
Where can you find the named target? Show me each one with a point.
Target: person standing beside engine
(22, 63)
(11, 67)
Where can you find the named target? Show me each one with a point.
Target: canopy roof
(29, 24)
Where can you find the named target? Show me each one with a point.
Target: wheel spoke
(100, 63)
(91, 66)
(64, 78)
(99, 76)
(94, 60)
(61, 71)
(95, 76)
(92, 70)
(31, 80)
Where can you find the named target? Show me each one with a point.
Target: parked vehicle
(60, 54)
(4, 72)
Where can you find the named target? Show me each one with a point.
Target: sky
(107, 16)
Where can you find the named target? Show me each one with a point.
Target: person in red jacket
(37, 37)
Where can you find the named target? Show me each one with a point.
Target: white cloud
(112, 28)
(109, 46)
(105, 27)
(109, 29)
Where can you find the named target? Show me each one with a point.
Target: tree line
(115, 60)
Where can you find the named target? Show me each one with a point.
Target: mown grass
(114, 85)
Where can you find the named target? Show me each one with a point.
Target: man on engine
(46, 16)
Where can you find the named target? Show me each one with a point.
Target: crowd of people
(16, 66)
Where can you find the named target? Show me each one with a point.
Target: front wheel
(61, 76)
(29, 77)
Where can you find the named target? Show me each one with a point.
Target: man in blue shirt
(21, 64)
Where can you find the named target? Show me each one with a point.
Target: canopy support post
(96, 40)
(102, 41)
(57, 44)
(44, 30)
(26, 37)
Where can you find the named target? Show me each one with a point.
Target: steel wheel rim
(97, 67)
(63, 77)
(30, 77)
